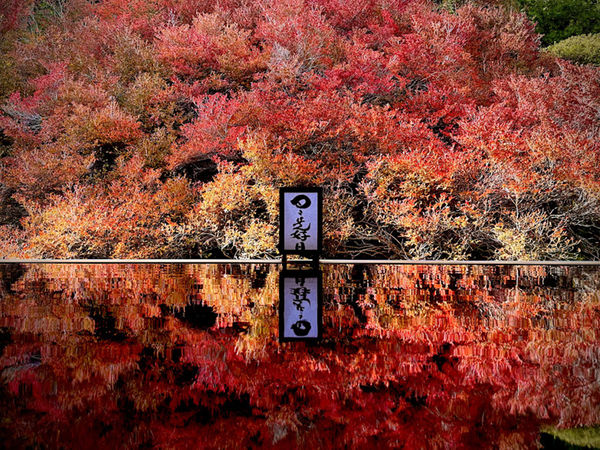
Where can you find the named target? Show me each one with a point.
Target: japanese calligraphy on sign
(300, 306)
(300, 233)
(300, 210)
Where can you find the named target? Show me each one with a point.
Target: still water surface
(188, 356)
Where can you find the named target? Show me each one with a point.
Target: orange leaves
(75, 125)
(109, 125)
(455, 100)
(39, 172)
(123, 220)
(175, 198)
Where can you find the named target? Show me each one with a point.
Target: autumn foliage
(187, 356)
(164, 128)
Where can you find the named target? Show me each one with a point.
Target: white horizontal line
(464, 263)
(278, 261)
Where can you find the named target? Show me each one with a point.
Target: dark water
(188, 356)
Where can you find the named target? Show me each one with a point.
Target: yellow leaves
(238, 60)
(238, 213)
(400, 177)
(222, 198)
(588, 436)
(412, 201)
(139, 216)
(259, 238)
(56, 231)
(155, 147)
(150, 99)
(133, 56)
(531, 236)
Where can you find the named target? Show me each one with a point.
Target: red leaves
(300, 34)
(445, 351)
(544, 122)
(210, 44)
(13, 12)
(310, 92)
(215, 132)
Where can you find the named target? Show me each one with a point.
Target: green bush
(581, 437)
(561, 19)
(584, 49)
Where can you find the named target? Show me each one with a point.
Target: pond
(189, 356)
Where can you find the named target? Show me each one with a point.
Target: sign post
(300, 230)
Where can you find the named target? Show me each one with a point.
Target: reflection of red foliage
(423, 356)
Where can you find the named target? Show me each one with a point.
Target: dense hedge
(584, 49)
(164, 128)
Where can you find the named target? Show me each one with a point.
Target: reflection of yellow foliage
(255, 342)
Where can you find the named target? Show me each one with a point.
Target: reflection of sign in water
(300, 210)
(299, 305)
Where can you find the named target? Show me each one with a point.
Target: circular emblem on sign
(301, 328)
(301, 201)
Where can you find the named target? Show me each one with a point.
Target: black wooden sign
(300, 217)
